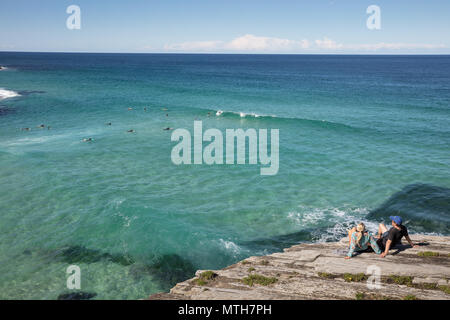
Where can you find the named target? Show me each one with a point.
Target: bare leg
(350, 232)
(381, 229)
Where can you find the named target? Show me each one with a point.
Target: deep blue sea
(361, 138)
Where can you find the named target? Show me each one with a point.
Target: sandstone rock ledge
(319, 271)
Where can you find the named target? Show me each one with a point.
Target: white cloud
(246, 43)
(252, 43)
(328, 44)
(395, 46)
(194, 46)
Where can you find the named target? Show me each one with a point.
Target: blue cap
(396, 219)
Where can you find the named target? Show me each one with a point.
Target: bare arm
(410, 241)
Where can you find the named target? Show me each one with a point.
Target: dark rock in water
(167, 270)
(80, 254)
(423, 207)
(172, 268)
(27, 252)
(5, 110)
(76, 296)
(29, 92)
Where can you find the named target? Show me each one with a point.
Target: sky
(227, 26)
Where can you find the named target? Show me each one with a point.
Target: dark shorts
(382, 240)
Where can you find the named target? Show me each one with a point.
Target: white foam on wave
(243, 114)
(126, 219)
(230, 246)
(115, 205)
(5, 94)
(49, 136)
(251, 114)
(342, 219)
(33, 140)
(337, 220)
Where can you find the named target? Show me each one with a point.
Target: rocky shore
(319, 271)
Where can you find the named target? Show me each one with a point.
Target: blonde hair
(360, 228)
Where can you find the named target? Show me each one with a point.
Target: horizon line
(237, 53)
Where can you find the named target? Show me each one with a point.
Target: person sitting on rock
(388, 239)
(360, 240)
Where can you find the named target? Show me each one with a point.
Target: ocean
(361, 138)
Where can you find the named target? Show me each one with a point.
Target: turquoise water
(355, 132)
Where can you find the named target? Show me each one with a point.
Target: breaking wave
(5, 94)
(274, 118)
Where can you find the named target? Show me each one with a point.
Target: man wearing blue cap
(388, 239)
